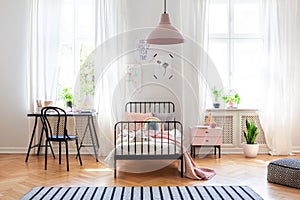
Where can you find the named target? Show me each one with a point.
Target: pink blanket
(191, 170)
(194, 172)
(166, 135)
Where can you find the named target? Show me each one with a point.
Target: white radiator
(233, 122)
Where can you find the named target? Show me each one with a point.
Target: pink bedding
(195, 172)
(191, 170)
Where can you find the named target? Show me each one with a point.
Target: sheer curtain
(194, 22)
(195, 25)
(277, 116)
(43, 48)
(110, 21)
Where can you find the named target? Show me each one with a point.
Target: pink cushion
(129, 116)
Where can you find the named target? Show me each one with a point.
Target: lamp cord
(165, 5)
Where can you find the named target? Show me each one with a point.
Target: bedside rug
(143, 192)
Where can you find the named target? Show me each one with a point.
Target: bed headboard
(150, 106)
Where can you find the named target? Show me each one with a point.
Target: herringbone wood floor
(18, 177)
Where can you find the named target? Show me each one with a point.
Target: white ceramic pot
(250, 150)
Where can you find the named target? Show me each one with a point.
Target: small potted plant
(217, 95)
(250, 147)
(232, 99)
(67, 95)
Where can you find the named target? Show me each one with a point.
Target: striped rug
(146, 192)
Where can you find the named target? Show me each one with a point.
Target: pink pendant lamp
(165, 33)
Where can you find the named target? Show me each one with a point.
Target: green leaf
(66, 94)
(252, 132)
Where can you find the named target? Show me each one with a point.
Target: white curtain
(195, 25)
(278, 94)
(195, 20)
(43, 47)
(110, 21)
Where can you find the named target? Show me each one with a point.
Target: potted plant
(232, 99)
(250, 147)
(217, 95)
(67, 95)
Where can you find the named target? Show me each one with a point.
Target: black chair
(54, 121)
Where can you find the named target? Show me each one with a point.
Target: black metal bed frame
(173, 151)
(150, 106)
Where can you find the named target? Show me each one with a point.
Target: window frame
(230, 38)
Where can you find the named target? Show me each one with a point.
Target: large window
(77, 36)
(236, 44)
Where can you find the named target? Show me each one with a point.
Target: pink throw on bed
(191, 170)
(194, 172)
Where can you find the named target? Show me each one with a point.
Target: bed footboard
(148, 140)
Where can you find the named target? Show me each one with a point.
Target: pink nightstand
(205, 136)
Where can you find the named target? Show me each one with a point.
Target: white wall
(14, 21)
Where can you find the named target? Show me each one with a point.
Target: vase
(250, 150)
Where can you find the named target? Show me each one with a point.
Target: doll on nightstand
(210, 122)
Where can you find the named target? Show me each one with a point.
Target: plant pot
(216, 105)
(69, 104)
(250, 150)
(231, 104)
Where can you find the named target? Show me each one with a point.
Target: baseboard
(234, 150)
(224, 150)
(13, 150)
(23, 150)
(296, 149)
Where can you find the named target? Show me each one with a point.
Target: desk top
(38, 114)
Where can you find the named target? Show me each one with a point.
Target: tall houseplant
(250, 147)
